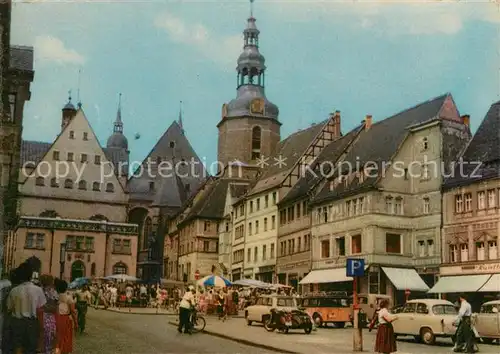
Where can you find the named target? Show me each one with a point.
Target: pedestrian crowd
(114, 294)
(41, 316)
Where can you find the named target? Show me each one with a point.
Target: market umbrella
(214, 280)
(122, 277)
(78, 283)
(252, 283)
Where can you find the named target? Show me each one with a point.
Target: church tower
(249, 128)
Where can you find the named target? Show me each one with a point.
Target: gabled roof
(330, 154)
(289, 150)
(36, 152)
(171, 188)
(377, 145)
(21, 58)
(212, 201)
(481, 158)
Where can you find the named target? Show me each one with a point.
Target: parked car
(261, 311)
(488, 321)
(426, 319)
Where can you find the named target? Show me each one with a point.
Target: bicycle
(198, 322)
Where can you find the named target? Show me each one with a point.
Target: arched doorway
(77, 270)
(120, 268)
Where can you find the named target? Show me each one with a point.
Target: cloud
(218, 48)
(393, 17)
(52, 49)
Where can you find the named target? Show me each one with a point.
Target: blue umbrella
(214, 280)
(78, 283)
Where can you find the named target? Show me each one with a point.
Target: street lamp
(62, 259)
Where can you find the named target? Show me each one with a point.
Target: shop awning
(492, 285)
(460, 284)
(335, 275)
(405, 279)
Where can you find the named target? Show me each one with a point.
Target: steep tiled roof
(21, 58)
(377, 145)
(483, 151)
(212, 202)
(330, 154)
(32, 152)
(172, 186)
(289, 151)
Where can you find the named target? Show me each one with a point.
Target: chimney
(336, 124)
(466, 119)
(368, 121)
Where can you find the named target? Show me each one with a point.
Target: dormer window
(158, 160)
(40, 181)
(70, 156)
(110, 188)
(71, 134)
(151, 186)
(425, 144)
(96, 186)
(55, 155)
(172, 144)
(97, 159)
(85, 136)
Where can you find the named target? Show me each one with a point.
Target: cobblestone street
(111, 332)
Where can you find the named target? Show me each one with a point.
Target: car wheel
(427, 336)
(488, 340)
(267, 325)
(249, 323)
(318, 321)
(340, 324)
(308, 330)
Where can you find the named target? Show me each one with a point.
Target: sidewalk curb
(243, 341)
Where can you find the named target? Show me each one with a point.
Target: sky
(358, 57)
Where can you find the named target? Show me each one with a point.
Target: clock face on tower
(257, 106)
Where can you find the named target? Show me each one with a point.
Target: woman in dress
(220, 305)
(66, 319)
(47, 315)
(386, 341)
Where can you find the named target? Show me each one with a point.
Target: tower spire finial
(180, 117)
(79, 102)
(69, 96)
(251, 8)
(118, 126)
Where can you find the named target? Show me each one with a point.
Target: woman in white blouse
(386, 341)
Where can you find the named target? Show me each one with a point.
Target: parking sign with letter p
(355, 267)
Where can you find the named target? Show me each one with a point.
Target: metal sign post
(197, 277)
(355, 268)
